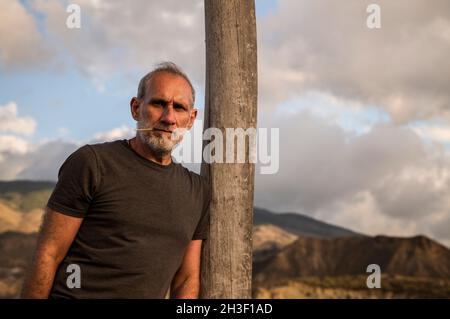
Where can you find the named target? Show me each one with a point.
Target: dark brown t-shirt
(139, 217)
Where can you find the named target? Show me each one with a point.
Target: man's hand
(186, 282)
(55, 237)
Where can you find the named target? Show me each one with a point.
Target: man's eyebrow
(180, 104)
(158, 100)
(164, 101)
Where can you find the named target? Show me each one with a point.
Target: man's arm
(186, 282)
(55, 237)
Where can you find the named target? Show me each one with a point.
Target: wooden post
(231, 102)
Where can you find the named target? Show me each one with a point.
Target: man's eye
(179, 107)
(158, 103)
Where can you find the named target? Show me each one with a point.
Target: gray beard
(160, 145)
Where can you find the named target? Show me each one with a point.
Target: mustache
(175, 133)
(154, 128)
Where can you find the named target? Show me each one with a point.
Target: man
(124, 220)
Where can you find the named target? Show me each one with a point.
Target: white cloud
(352, 117)
(324, 45)
(121, 132)
(129, 38)
(361, 211)
(20, 159)
(435, 132)
(12, 144)
(12, 123)
(21, 43)
(42, 162)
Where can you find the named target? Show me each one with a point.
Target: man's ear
(134, 107)
(192, 118)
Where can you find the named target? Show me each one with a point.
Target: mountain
(416, 256)
(303, 267)
(24, 196)
(299, 224)
(294, 256)
(25, 186)
(22, 204)
(268, 240)
(13, 220)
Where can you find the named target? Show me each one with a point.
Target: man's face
(166, 109)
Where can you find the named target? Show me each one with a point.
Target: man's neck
(145, 151)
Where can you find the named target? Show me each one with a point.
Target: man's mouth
(161, 130)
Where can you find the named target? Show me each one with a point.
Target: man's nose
(168, 116)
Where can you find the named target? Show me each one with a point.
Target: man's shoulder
(104, 149)
(105, 146)
(92, 152)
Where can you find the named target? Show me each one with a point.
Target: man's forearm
(186, 289)
(39, 280)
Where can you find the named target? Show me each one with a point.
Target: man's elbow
(188, 288)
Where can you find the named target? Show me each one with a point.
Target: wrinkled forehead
(169, 87)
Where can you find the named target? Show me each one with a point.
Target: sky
(363, 114)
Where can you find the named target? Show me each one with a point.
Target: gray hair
(168, 67)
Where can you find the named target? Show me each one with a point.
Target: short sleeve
(201, 232)
(77, 180)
